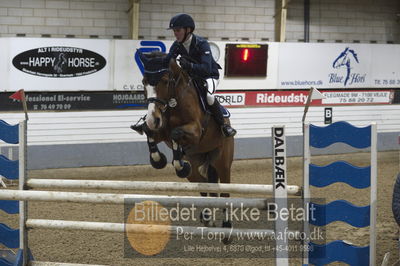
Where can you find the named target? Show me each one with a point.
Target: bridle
(171, 102)
(164, 105)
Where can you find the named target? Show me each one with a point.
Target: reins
(171, 102)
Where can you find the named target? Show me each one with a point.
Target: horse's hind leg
(223, 166)
(225, 177)
(212, 177)
(206, 217)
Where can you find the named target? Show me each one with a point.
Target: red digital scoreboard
(246, 60)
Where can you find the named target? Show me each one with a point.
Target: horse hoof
(161, 163)
(185, 171)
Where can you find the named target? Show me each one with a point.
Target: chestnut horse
(201, 153)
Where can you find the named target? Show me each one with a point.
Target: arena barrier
(15, 134)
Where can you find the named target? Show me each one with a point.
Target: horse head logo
(345, 60)
(60, 64)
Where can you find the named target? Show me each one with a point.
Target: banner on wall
(303, 65)
(75, 101)
(51, 64)
(38, 64)
(121, 100)
(299, 98)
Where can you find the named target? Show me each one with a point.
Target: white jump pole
(105, 198)
(141, 228)
(158, 186)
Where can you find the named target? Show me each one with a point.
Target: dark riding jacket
(204, 65)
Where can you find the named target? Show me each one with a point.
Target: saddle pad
(202, 92)
(225, 112)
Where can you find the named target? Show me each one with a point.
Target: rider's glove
(185, 64)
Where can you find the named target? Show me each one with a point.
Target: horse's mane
(155, 62)
(156, 54)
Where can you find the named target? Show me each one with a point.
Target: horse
(200, 151)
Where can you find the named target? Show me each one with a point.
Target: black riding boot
(219, 118)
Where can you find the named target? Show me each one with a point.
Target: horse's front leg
(187, 134)
(182, 167)
(157, 158)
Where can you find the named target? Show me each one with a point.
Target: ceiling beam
(280, 19)
(134, 19)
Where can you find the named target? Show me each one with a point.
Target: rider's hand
(185, 64)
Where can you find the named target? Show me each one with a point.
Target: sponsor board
(101, 100)
(38, 64)
(75, 101)
(358, 97)
(59, 62)
(338, 66)
(231, 99)
(299, 98)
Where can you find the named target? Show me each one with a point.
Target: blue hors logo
(147, 47)
(59, 62)
(346, 60)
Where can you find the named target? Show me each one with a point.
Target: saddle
(201, 88)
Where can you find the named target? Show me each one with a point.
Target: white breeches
(212, 85)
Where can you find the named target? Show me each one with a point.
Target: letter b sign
(328, 115)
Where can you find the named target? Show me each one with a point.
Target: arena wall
(364, 21)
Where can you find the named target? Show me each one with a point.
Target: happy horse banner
(341, 65)
(53, 64)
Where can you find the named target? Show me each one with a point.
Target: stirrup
(228, 131)
(139, 128)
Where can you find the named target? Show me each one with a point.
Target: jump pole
(139, 228)
(158, 186)
(108, 198)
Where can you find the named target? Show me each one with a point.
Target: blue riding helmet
(181, 21)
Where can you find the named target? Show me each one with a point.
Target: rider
(198, 50)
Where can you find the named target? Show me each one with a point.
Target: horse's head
(160, 82)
